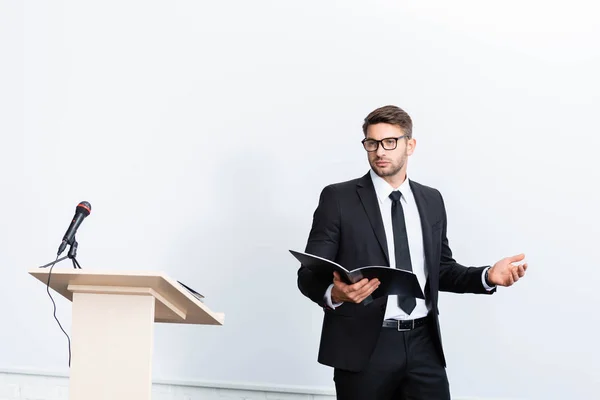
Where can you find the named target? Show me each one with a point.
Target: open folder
(392, 280)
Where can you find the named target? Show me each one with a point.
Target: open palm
(506, 271)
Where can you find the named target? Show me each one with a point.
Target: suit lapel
(422, 206)
(366, 193)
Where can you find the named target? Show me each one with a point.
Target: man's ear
(410, 145)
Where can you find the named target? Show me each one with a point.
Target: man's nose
(380, 150)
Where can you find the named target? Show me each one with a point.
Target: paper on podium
(393, 281)
(192, 291)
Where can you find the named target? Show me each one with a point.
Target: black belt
(405, 325)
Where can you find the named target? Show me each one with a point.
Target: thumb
(336, 276)
(516, 258)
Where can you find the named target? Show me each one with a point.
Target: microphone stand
(72, 255)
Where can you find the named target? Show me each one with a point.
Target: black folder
(393, 281)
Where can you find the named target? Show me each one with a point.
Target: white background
(203, 132)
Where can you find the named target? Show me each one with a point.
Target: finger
(521, 271)
(365, 291)
(336, 278)
(373, 285)
(358, 285)
(368, 288)
(338, 282)
(516, 258)
(509, 280)
(352, 287)
(515, 274)
(365, 295)
(525, 267)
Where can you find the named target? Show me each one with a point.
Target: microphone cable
(54, 304)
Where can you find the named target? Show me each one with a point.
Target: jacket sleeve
(323, 241)
(455, 277)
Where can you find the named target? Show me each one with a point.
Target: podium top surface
(174, 302)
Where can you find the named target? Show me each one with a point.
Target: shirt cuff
(328, 300)
(485, 285)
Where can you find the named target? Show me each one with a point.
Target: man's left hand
(505, 272)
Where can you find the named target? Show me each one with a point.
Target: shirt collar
(383, 189)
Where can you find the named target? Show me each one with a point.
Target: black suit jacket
(347, 228)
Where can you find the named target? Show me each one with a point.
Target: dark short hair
(389, 115)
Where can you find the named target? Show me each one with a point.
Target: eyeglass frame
(380, 142)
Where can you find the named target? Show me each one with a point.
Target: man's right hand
(354, 293)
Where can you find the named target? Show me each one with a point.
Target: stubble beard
(390, 170)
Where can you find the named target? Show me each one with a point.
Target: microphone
(82, 210)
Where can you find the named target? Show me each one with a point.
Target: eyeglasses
(387, 143)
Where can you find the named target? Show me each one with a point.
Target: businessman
(389, 348)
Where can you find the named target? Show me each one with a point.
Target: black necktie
(401, 248)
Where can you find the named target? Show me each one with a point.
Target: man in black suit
(389, 348)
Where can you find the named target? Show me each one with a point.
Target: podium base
(112, 346)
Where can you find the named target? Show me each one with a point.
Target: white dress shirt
(415, 244)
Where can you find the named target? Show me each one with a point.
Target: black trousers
(404, 366)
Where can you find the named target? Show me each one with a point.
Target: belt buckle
(406, 329)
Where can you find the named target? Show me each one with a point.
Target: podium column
(112, 343)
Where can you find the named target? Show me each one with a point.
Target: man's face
(387, 163)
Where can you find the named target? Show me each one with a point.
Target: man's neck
(395, 180)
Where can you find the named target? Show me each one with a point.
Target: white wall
(203, 132)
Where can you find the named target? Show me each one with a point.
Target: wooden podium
(112, 332)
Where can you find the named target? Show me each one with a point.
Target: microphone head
(84, 207)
